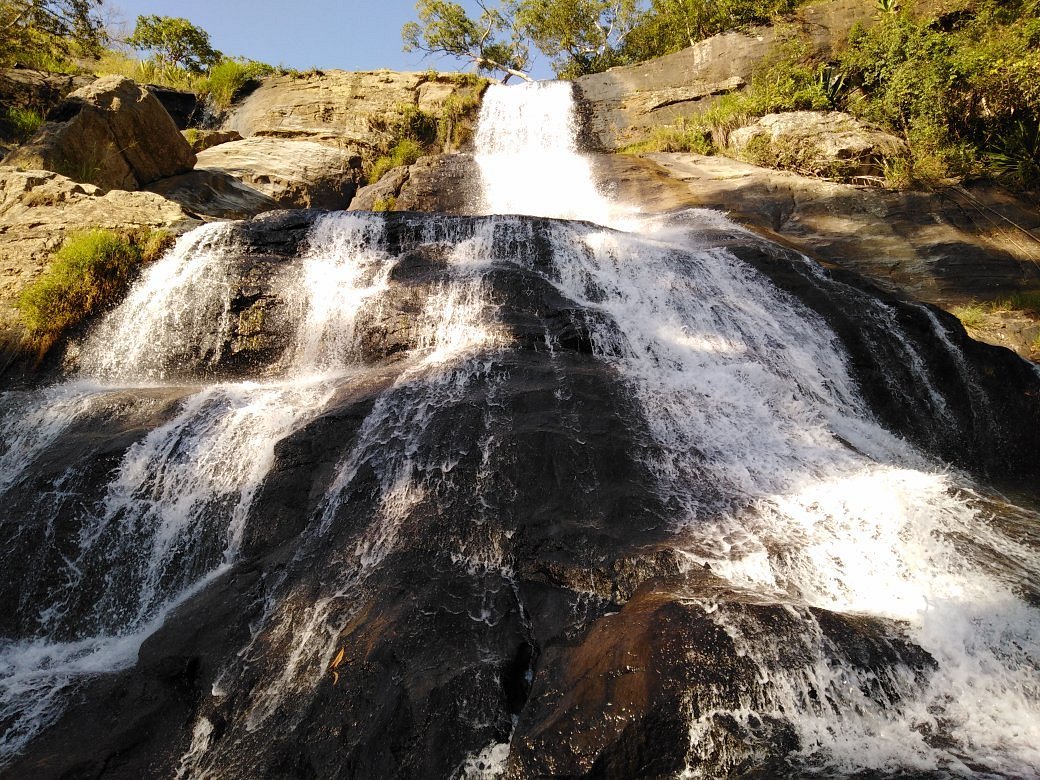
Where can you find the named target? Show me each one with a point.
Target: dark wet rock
(517, 582)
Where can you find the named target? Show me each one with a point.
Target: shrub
(405, 152)
(683, 136)
(962, 87)
(90, 272)
(230, 79)
(19, 124)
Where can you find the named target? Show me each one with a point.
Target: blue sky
(347, 34)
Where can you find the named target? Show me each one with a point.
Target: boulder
(112, 133)
(447, 183)
(213, 194)
(625, 104)
(200, 140)
(38, 209)
(338, 107)
(36, 89)
(821, 143)
(295, 174)
(948, 246)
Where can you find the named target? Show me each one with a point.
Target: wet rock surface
(526, 591)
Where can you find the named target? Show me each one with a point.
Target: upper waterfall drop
(527, 151)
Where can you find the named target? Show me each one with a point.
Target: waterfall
(810, 500)
(393, 362)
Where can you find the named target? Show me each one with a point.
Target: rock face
(462, 559)
(446, 183)
(624, 104)
(37, 210)
(829, 143)
(293, 173)
(947, 247)
(339, 108)
(216, 194)
(37, 90)
(112, 133)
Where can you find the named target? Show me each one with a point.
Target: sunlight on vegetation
(89, 273)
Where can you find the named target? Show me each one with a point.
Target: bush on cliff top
(90, 272)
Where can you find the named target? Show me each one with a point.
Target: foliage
(49, 34)
(671, 25)
(404, 152)
(963, 87)
(174, 42)
(19, 124)
(487, 41)
(91, 271)
(457, 119)
(683, 136)
(579, 36)
(224, 82)
(229, 79)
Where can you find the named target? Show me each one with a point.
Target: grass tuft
(90, 272)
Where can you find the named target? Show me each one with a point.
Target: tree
(580, 36)
(33, 30)
(445, 28)
(174, 41)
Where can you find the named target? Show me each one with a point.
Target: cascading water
(446, 368)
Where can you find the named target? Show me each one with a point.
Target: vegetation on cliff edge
(90, 272)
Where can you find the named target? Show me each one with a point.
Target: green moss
(90, 272)
(385, 204)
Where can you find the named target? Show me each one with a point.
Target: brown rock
(113, 133)
(39, 208)
(201, 140)
(448, 183)
(626, 103)
(295, 174)
(213, 194)
(337, 107)
(824, 143)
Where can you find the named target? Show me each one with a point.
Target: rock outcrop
(112, 133)
(821, 143)
(39, 208)
(625, 104)
(214, 194)
(293, 173)
(447, 183)
(36, 89)
(947, 247)
(340, 108)
(518, 593)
